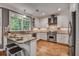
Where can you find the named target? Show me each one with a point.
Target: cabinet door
(37, 22)
(59, 38)
(62, 21)
(65, 39)
(42, 36)
(62, 38)
(49, 21)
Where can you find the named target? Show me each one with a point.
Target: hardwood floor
(2, 53)
(45, 48)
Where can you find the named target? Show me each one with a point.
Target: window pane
(26, 23)
(15, 23)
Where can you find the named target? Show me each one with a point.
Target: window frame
(22, 29)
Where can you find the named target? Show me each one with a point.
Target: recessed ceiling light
(59, 9)
(43, 13)
(37, 10)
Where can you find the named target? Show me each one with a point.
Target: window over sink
(18, 22)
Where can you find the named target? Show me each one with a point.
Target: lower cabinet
(62, 38)
(42, 36)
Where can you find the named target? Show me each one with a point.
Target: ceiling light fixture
(43, 13)
(37, 10)
(59, 9)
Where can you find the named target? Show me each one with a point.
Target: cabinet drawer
(59, 38)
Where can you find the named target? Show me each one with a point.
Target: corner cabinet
(52, 20)
(19, 22)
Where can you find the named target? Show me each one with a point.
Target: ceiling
(45, 9)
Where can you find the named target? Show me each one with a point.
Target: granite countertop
(20, 41)
(59, 31)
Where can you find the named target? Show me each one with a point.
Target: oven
(51, 36)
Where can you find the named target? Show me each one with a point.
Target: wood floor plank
(45, 48)
(2, 53)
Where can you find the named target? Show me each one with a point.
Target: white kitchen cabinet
(44, 22)
(62, 38)
(62, 21)
(38, 35)
(41, 22)
(65, 38)
(42, 36)
(37, 24)
(59, 38)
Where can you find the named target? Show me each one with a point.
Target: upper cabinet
(52, 20)
(19, 22)
(63, 21)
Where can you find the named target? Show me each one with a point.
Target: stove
(51, 36)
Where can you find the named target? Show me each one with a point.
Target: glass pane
(26, 23)
(15, 23)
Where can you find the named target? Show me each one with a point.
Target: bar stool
(13, 50)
